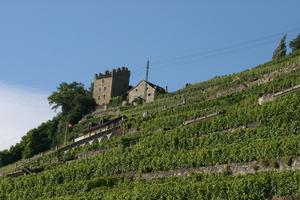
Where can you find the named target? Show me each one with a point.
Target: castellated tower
(110, 84)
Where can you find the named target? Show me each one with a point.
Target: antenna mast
(147, 70)
(147, 77)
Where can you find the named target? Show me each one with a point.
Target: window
(103, 96)
(99, 89)
(136, 90)
(104, 88)
(99, 97)
(149, 94)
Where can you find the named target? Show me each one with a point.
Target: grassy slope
(162, 143)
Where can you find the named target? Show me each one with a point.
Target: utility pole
(68, 125)
(65, 138)
(65, 141)
(147, 77)
(147, 70)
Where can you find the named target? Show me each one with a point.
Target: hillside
(209, 140)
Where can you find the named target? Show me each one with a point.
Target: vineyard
(176, 140)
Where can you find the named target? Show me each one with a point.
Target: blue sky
(43, 43)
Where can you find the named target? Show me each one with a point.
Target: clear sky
(43, 43)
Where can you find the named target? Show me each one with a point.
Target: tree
(5, 158)
(39, 139)
(73, 99)
(295, 43)
(64, 96)
(280, 51)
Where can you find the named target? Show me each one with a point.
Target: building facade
(110, 84)
(145, 90)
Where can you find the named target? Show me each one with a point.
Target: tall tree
(295, 43)
(73, 99)
(39, 139)
(280, 51)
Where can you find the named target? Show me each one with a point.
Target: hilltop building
(110, 84)
(145, 90)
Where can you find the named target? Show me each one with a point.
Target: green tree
(73, 99)
(280, 51)
(295, 43)
(38, 140)
(13, 154)
(5, 157)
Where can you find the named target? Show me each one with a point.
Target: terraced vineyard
(167, 158)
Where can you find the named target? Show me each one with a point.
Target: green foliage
(75, 102)
(280, 51)
(245, 132)
(10, 156)
(212, 186)
(117, 101)
(39, 139)
(35, 141)
(138, 101)
(295, 43)
(73, 99)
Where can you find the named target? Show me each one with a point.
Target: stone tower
(110, 84)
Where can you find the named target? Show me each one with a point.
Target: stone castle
(116, 83)
(111, 84)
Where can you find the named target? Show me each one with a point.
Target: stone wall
(270, 97)
(233, 168)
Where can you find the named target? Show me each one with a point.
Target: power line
(265, 37)
(9, 140)
(218, 51)
(138, 69)
(137, 75)
(196, 59)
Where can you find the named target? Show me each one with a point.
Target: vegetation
(280, 51)
(74, 101)
(117, 101)
(295, 43)
(158, 141)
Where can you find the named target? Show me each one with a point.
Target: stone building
(110, 84)
(148, 94)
